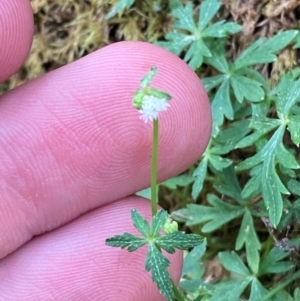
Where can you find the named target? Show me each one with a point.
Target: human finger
(16, 23)
(73, 262)
(71, 140)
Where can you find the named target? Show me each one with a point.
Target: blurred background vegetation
(66, 30)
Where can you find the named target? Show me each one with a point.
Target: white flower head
(151, 106)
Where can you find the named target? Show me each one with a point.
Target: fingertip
(16, 35)
(188, 120)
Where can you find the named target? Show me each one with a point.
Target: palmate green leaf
(219, 162)
(199, 174)
(232, 262)
(285, 157)
(195, 47)
(255, 75)
(230, 290)
(221, 106)
(217, 58)
(158, 222)
(259, 112)
(244, 87)
(184, 19)
(192, 259)
(213, 81)
(208, 9)
(228, 138)
(253, 56)
(219, 214)
(157, 264)
(294, 187)
(262, 51)
(262, 126)
(253, 186)
(280, 41)
(282, 89)
(195, 38)
(293, 127)
(229, 184)
(155, 258)
(248, 237)
(272, 262)
(119, 7)
(176, 41)
(195, 53)
(126, 240)
(259, 122)
(221, 29)
(286, 172)
(285, 102)
(146, 193)
(198, 286)
(178, 240)
(181, 180)
(140, 223)
(257, 291)
(272, 187)
(250, 162)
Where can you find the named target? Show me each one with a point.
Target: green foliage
(248, 113)
(193, 36)
(246, 84)
(244, 193)
(156, 262)
(233, 263)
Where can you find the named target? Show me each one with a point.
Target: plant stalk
(154, 167)
(154, 163)
(177, 294)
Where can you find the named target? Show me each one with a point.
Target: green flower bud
(170, 226)
(138, 98)
(148, 100)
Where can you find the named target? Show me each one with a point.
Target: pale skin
(72, 152)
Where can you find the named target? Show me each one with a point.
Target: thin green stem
(154, 167)
(154, 189)
(177, 294)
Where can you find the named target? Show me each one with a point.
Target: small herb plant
(244, 193)
(162, 232)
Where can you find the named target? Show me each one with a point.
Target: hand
(73, 150)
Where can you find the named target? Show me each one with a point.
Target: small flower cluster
(151, 106)
(148, 100)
